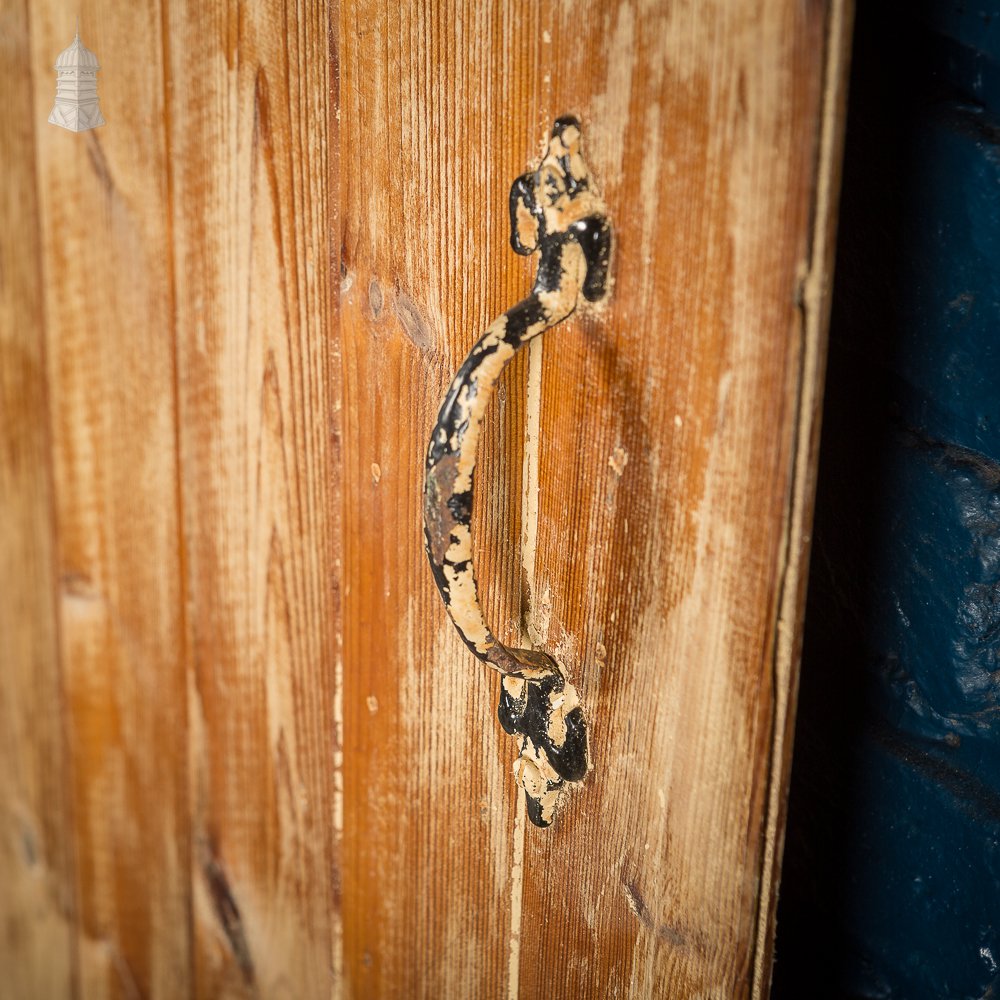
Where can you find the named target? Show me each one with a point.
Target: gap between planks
(529, 541)
(794, 555)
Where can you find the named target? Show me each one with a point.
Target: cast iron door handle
(556, 211)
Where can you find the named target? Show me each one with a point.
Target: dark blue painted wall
(891, 882)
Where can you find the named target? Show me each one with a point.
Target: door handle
(556, 211)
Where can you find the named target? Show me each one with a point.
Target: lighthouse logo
(76, 106)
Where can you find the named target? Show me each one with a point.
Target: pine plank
(662, 548)
(428, 151)
(36, 859)
(110, 362)
(671, 421)
(252, 143)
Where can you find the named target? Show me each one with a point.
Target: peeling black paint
(531, 715)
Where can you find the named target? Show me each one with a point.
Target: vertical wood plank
(110, 352)
(36, 859)
(252, 138)
(664, 569)
(428, 150)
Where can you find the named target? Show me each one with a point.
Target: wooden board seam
(795, 550)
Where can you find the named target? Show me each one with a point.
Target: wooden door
(244, 751)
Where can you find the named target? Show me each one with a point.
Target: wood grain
(666, 460)
(427, 154)
(665, 578)
(815, 304)
(244, 751)
(110, 352)
(253, 194)
(175, 539)
(36, 847)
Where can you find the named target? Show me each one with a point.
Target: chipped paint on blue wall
(891, 882)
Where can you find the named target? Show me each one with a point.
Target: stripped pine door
(244, 751)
